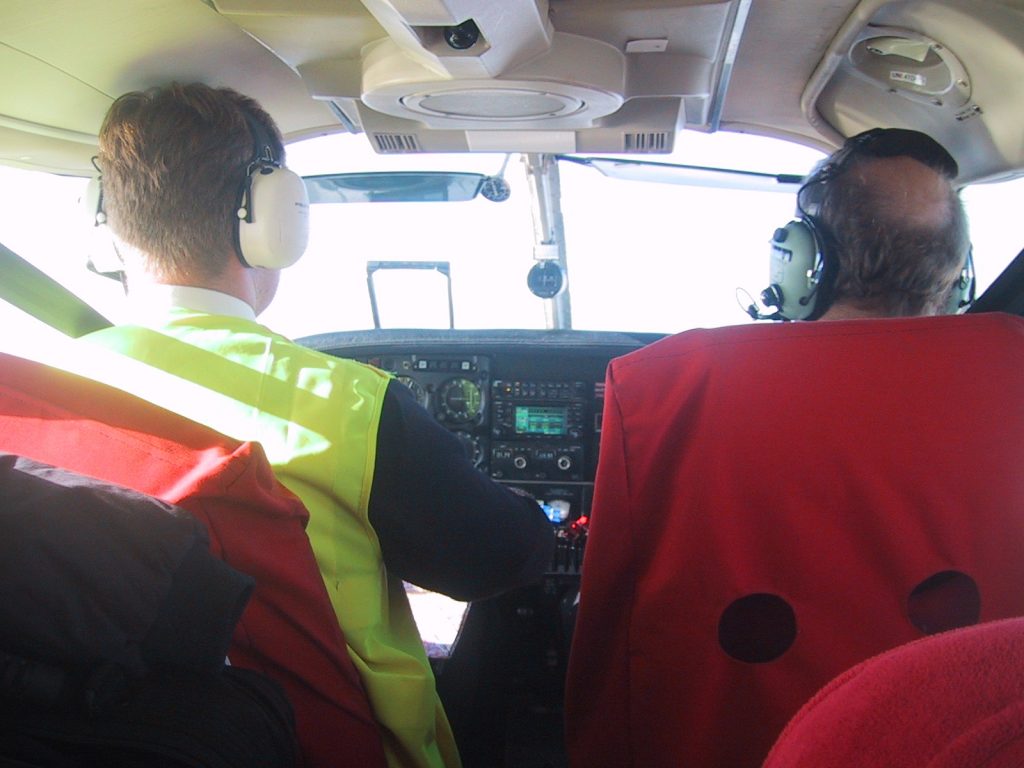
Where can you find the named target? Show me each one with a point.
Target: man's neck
(156, 299)
(233, 281)
(844, 311)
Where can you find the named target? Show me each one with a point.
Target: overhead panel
(60, 71)
(414, 75)
(910, 64)
(457, 75)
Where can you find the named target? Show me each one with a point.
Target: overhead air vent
(658, 141)
(396, 143)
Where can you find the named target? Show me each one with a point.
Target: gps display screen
(540, 420)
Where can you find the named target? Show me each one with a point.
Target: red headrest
(948, 701)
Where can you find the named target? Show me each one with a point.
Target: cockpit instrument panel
(526, 406)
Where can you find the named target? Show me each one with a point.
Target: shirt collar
(153, 299)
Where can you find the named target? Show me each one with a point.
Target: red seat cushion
(775, 504)
(288, 631)
(948, 701)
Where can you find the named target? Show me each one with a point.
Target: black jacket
(92, 572)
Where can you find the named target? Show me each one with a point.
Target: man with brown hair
(185, 175)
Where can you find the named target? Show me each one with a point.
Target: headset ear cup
(92, 201)
(273, 229)
(796, 269)
(102, 257)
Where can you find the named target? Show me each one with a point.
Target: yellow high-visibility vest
(316, 417)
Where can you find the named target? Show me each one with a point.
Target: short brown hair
(173, 160)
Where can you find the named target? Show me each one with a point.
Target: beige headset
(271, 228)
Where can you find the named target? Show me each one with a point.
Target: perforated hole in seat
(757, 628)
(945, 600)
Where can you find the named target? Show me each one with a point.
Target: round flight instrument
(460, 400)
(414, 386)
(471, 445)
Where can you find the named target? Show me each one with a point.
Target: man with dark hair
(776, 503)
(881, 231)
(391, 494)
(894, 224)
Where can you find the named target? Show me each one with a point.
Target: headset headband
(901, 142)
(877, 143)
(263, 144)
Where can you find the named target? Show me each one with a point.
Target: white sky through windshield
(642, 257)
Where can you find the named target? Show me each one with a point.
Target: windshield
(641, 256)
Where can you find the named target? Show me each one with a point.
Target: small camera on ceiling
(462, 36)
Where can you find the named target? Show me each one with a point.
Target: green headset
(801, 271)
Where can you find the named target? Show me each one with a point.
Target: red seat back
(288, 630)
(775, 504)
(948, 701)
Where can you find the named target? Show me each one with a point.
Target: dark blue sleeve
(442, 524)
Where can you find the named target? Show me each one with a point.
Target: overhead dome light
(535, 95)
(495, 104)
(911, 65)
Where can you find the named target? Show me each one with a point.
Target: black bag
(114, 624)
(233, 719)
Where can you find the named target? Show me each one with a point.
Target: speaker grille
(657, 141)
(396, 143)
